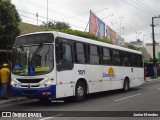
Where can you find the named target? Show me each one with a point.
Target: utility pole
(37, 18)
(139, 34)
(120, 25)
(153, 37)
(47, 13)
(123, 32)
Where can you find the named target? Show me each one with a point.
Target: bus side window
(140, 62)
(106, 56)
(93, 55)
(80, 53)
(126, 59)
(116, 57)
(133, 60)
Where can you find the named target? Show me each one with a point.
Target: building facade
(149, 48)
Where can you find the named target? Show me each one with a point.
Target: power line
(147, 6)
(142, 6)
(74, 8)
(31, 18)
(123, 5)
(42, 7)
(136, 7)
(34, 14)
(50, 19)
(71, 7)
(50, 10)
(44, 17)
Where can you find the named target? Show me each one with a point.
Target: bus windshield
(33, 59)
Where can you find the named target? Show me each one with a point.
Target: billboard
(111, 35)
(96, 26)
(120, 41)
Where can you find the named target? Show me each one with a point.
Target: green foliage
(158, 56)
(156, 60)
(9, 20)
(84, 34)
(56, 25)
(132, 47)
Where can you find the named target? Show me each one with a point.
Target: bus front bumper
(36, 93)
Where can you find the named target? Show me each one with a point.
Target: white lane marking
(51, 117)
(127, 97)
(46, 118)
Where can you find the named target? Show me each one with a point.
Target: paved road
(143, 98)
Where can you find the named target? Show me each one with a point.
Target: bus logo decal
(110, 74)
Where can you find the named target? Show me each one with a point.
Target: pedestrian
(4, 75)
(145, 73)
(155, 71)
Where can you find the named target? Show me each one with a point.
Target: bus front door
(65, 72)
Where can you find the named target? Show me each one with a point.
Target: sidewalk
(13, 100)
(148, 79)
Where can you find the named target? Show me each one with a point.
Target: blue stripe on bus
(34, 92)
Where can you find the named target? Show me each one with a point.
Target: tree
(56, 25)
(9, 21)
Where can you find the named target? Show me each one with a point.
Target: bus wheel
(126, 85)
(81, 91)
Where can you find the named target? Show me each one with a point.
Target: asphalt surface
(143, 98)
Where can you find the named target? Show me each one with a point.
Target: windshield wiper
(39, 48)
(35, 54)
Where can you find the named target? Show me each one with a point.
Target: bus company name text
(109, 75)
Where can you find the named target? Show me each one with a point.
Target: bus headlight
(13, 83)
(47, 83)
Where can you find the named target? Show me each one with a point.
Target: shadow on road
(71, 101)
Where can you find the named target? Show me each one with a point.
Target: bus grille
(30, 92)
(30, 80)
(26, 86)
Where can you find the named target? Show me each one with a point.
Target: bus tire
(126, 85)
(80, 91)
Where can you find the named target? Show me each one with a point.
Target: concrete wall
(149, 48)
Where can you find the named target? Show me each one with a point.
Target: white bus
(48, 65)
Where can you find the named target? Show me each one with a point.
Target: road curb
(151, 80)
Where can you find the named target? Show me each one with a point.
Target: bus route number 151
(81, 72)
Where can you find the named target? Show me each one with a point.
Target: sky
(134, 15)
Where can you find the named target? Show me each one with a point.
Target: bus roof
(86, 40)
